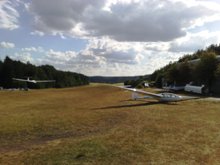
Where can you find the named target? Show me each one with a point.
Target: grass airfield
(99, 124)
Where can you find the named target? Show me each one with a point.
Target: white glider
(32, 81)
(162, 97)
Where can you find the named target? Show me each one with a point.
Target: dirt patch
(103, 126)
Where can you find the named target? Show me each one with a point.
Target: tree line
(15, 69)
(137, 83)
(202, 67)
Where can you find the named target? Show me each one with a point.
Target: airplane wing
(17, 79)
(39, 81)
(157, 96)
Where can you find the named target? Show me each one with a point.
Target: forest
(201, 67)
(15, 69)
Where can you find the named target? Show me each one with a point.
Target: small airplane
(162, 97)
(32, 81)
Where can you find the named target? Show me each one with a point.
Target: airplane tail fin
(134, 95)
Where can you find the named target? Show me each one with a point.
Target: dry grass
(99, 124)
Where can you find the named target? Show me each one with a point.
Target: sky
(106, 37)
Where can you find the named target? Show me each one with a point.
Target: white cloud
(125, 37)
(104, 57)
(24, 57)
(61, 56)
(195, 41)
(108, 57)
(59, 16)
(8, 15)
(112, 51)
(157, 46)
(37, 33)
(33, 49)
(146, 21)
(123, 21)
(7, 45)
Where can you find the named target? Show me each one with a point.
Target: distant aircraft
(162, 97)
(32, 81)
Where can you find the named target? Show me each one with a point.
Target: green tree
(171, 75)
(10, 68)
(1, 65)
(205, 69)
(7, 73)
(217, 72)
(184, 73)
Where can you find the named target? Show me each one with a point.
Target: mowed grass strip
(99, 124)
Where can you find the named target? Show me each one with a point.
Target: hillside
(102, 79)
(199, 68)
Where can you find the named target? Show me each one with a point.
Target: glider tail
(134, 96)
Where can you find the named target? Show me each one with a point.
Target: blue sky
(106, 37)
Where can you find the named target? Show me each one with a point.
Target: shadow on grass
(134, 105)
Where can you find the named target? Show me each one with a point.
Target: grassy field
(99, 124)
